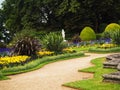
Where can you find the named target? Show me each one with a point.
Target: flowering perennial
(68, 50)
(45, 53)
(12, 61)
(107, 46)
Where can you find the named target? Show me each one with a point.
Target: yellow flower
(68, 50)
(12, 60)
(45, 53)
(108, 46)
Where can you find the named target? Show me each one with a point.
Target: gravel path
(51, 76)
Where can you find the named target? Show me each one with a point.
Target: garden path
(51, 76)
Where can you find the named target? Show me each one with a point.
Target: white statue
(63, 34)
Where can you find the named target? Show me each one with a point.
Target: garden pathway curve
(51, 76)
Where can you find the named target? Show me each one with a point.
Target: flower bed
(105, 46)
(44, 53)
(13, 61)
(5, 51)
(68, 50)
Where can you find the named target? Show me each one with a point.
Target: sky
(1, 2)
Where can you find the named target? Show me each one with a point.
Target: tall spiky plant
(54, 42)
(27, 46)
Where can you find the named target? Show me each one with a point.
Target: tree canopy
(49, 15)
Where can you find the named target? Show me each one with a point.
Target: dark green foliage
(23, 33)
(27, 46)
(111, 27)
(2, 77)
(98, 36)
(87, 34)
(2, 45)
(113, 31)
(115, 36)
(105, 34)
(76, 38)
(54, 42)
(72, 15)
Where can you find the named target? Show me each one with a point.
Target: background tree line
(53, 15)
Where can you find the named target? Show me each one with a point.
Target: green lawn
(95, 83)
(81, 48)
(102, 50)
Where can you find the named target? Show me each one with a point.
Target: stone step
(113, 77)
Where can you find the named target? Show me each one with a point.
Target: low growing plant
(44, 53)
(13, 61)
(68, 50)
(106, 46)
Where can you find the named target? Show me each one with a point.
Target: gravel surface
(51, 76)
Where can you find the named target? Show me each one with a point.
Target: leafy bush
(87, 34)
(106, 34)
(110, 29)
(54, 42)
(76, 38)
(98, 36)
(22, 34)
(115, 36)
(27, 46)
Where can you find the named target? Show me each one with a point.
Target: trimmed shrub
(109, 29)
(113, 31)
(87, 34)
(112, 27)
(115, 36)
(54, 42)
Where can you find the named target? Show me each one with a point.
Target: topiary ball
(112, 27)
(87, 34)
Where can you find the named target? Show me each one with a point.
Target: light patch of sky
(1, 2)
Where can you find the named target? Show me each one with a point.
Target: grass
(2, 77)
(95, 83)
(81, 48)
(36, 64)
(100, 50)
